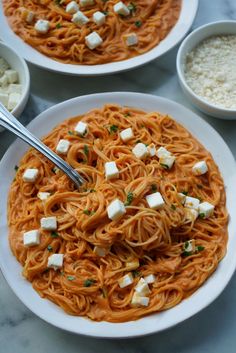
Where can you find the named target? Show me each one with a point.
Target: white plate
(156, 322)
(188, 12)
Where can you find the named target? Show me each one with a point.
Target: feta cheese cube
(206, 209)
(140, 150)
(99, 18)
(152, 150)
(111, 170)
(86, 2)
(167, 161)
(13, 100)
(142, 287)
(48, 223)
(100, 251)
(138, 300)
(3, 65)
(42, 26)
(15, 88)
(63, 146)
(191, 202)
(3, 80)
(163, 152)
(126, 280)
(131, 39)
(126, 134)
(181, 197)
(72, 7)
(200, 168)
(150, 278)
(121, 9)
(55, 261)
(116, 209)
(189, 246)
(190, 214)
(79, 19)
(43, 195)
(31, 237)
(81, 128)
(93, 40)
(4, 99)
(132, 265)
(30, 175)
(155, 200)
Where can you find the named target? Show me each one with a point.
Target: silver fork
(8, 121)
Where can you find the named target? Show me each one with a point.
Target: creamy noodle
(87, 285)
(151, 20)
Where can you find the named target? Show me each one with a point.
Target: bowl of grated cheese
(206, 69)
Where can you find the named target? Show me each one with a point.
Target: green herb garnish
(154, 188)
(132, 7)
(173, 207)
(202, 215)
(92, 190)
(49, 247)
(186, 253)
(127, 114)
(58, 25)
(87, 212)
(105, 13)
(58, 2)
(165, 166)
(54, 234)
(136, 273)
(113, 128)
(70, 278)
(130, 197)
(200, 248)
(88, 282)
(86, 150)
(138, 23)
(184, 192)
(70, 132)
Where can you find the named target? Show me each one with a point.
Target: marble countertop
(213, 329)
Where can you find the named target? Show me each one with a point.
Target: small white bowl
(190, 42)
(17, 63)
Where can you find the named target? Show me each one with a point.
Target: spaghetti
(150, 20)
(87, 285)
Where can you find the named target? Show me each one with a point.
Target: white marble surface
(212, 330)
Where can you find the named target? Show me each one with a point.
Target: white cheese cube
(163, 152)
(63, 146)
(126, 280)
(4, 99)
(140, 150)
(15, 88)
(121, 9)
(43, 195)
(181, 197)
(93, 40)
(190, 214)
(150, 278)
(31, 237)
(79, 18)
(55, 261)
(151, 150)
(13, 100)
(86, 2)
(189, 246)
(116, 209)
(200, 168)
(42, 26)
(132, 265)
(138, 300)
(155, 200)
(131, 39)
(3, 65)
(126, 134)
(3, 80)
(72, 7)
(27, 15)
(206, 209)
(191, 202)
(142, 287)
(48, 223)
(111, 170)
(167, 161)
(30, 175)
(81, 128)
(99, 251)
(99, 18)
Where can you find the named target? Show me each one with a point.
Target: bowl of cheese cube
(14, 80)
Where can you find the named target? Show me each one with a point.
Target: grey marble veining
(212, 330)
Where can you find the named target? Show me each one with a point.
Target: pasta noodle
(87, 284)
(151, 20)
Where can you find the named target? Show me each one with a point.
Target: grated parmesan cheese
(210, 70)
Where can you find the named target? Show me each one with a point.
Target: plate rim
(112, 334)
(190, 6)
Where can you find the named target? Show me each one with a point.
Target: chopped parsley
(184, 192)
(138, 23)
(86, 150)
(165, 166)
(113, 128)
(153, 188)
(186, 253)
(136, 273)
(88, 282)
(105, 13)
(92, 190)
(16, 168)
(132, 7)
(70, 132)
(173, 207)
(49, 247)
(200, 248)
(127, 114)
(58, 25)
(130, 197)
(70, 278)
(202, 215)
(58, 2)
(54, 234)
(88, 212)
